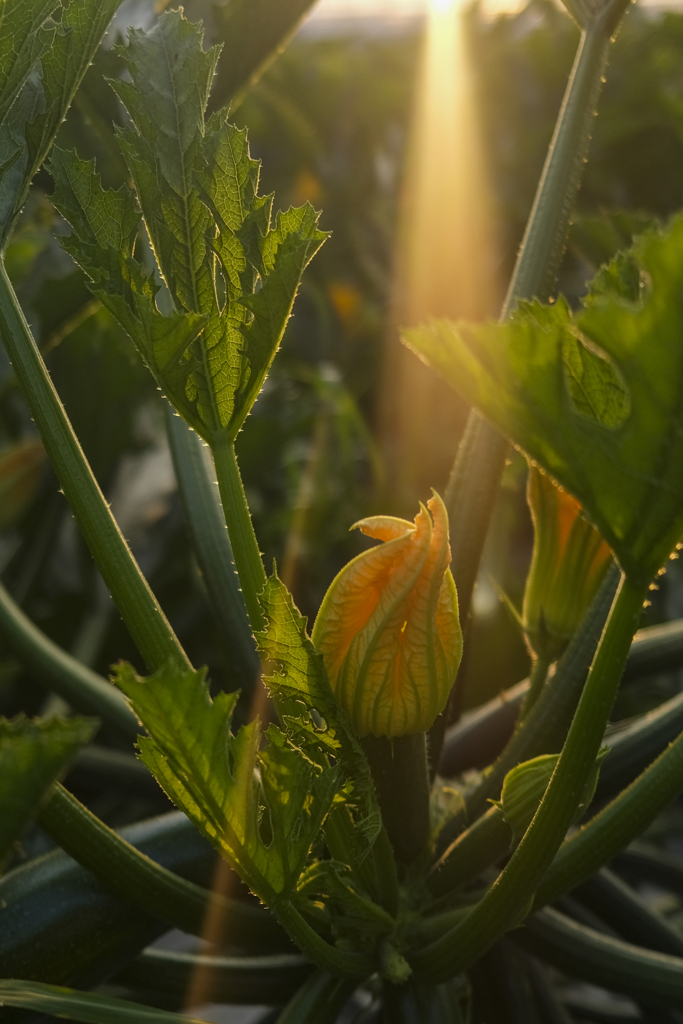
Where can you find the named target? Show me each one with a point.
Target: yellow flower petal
(388, 627)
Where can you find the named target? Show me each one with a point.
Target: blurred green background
(330, 120)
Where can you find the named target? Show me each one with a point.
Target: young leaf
(89, 1007)
(355, 915)
(33, 754)
(106, 225)
(596, 398)
(265, 831)
(29, 129)
(299, 685)
(25, 34)
(217, 251)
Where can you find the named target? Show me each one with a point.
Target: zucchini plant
(379, 888)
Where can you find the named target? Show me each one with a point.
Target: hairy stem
(139, 608)
(399, 770)
(197, 485)
(537, 680)
(615, 826)
(245, 548)
(509, 897)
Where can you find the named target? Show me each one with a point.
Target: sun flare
(446, 256)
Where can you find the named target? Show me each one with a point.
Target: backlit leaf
(30, 127)
(596, 398)
(299, 685)
(262, 809)
(216, 248)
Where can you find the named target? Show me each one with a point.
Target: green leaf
(264, 830)
(106, 225)
(525, 786)
(33, 754)
(299, 685)
(596, 398)
(217, 251)
(25, 34)
(29, 130)
(354, 914)
(83, 1006)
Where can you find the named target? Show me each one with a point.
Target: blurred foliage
(330, 118)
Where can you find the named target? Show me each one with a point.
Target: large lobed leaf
(33, 754)
(232, 274)
(262, 809)
(595, 398)
(41, 69)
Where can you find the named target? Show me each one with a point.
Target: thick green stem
(197, 485)
(138, 607)
(79, 685)
(319, 1000)
(241, 530)
(509, 897)
(622, 909)
(248, 980)
(611, 963)
(339, 962)
(136, 878)
(537, 679)
(485, 842)
(615, 826)
(399, 769)
(545, 727)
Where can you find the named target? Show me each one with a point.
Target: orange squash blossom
(388, 627)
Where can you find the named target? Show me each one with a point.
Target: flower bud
(525, 785)
(569, 561)
(388, 627)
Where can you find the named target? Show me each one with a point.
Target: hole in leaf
(596, 387)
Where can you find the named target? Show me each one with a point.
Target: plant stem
(537, 679)
(135, 877)
(602, 960)
(545, 727)
(88, 1007)
(270, 979)
(508, 898)
(401, 777)
(615, 826)
(621, 908)
(78, 684)
(197, 485)
(319, 1000)
(138, 607)
(328, 958)
(245, 548)
(488, 839)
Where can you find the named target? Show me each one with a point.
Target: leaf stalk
(137, 604)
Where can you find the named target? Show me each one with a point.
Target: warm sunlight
(445, 260)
